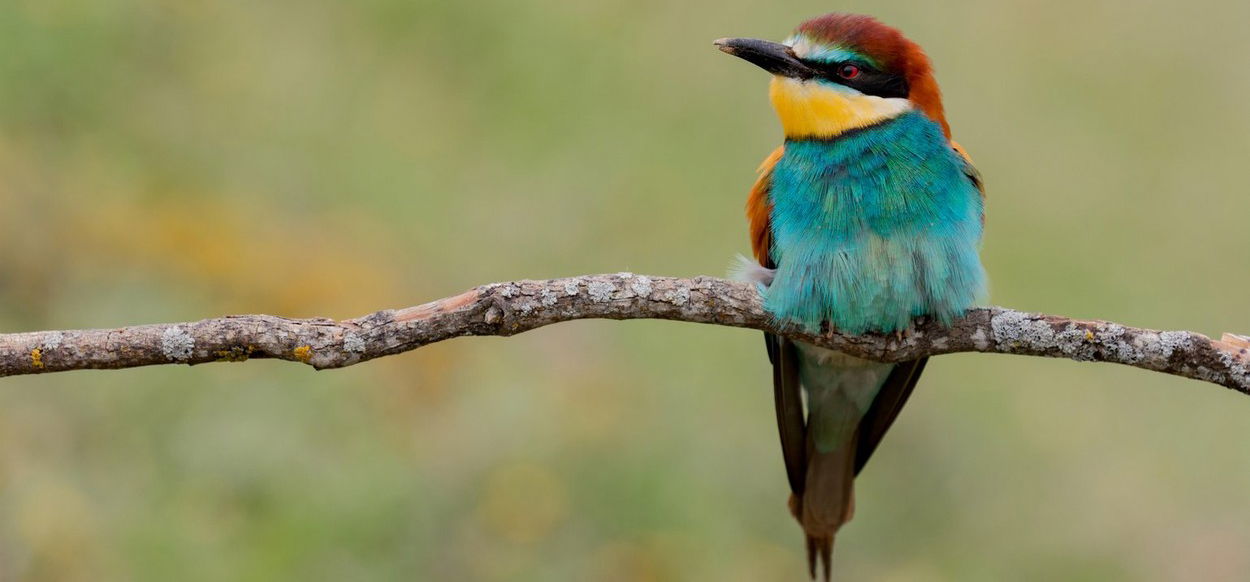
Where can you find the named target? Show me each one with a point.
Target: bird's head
(840, 72)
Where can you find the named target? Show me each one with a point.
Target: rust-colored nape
(886, 45)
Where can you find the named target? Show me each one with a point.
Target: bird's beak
(773, 57)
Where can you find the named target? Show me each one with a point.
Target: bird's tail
(827, 502)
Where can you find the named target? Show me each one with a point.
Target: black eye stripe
(831, 68)
(870, 81)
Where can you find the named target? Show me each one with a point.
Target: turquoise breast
(873, 228)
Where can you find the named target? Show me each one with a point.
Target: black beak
(773, 57)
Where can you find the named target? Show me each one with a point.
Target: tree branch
(504, 309)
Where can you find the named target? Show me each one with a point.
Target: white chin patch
(748, 271)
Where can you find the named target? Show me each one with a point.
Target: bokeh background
(171, 160)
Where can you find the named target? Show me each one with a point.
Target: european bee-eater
(867, 217)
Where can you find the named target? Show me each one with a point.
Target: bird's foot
(900, 334)
(826, 330)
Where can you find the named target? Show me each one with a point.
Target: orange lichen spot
(36, 358)
(1089, 336)
(235, 354)
(303, 353)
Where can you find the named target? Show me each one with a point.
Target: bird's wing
(788, 400)
(787, 393)
(973, 175)
(902, 379)
(885, 408)
(759, 209)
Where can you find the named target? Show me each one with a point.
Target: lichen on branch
(505, 309)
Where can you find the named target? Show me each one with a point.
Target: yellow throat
(814, 110)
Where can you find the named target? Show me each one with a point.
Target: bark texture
(505, 309)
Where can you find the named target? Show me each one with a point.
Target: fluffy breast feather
(874, 228)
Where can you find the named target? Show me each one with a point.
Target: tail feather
(826, 554)
(828, 503)
(820, 551)
(850, 405)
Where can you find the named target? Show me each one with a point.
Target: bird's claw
(826, 330)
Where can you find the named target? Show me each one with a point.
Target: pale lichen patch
(1205, 373)
(1111, 336)
(570, 287)
(177, 344)
(1013, 329)
(352, 343)
(1171, 341)
(547, 298)
(679, 296)
(507, 291)
(979, 340)
(1076, 343)
(1238, 369)
(600, 291)
(53, 340)
(641, 286)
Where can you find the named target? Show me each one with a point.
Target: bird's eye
(848, 71)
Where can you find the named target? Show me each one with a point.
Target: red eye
(848, 71)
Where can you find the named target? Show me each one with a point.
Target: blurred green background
(173, 160)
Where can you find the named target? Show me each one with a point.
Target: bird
(867, 217)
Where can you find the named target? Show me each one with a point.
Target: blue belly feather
(873, 228)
